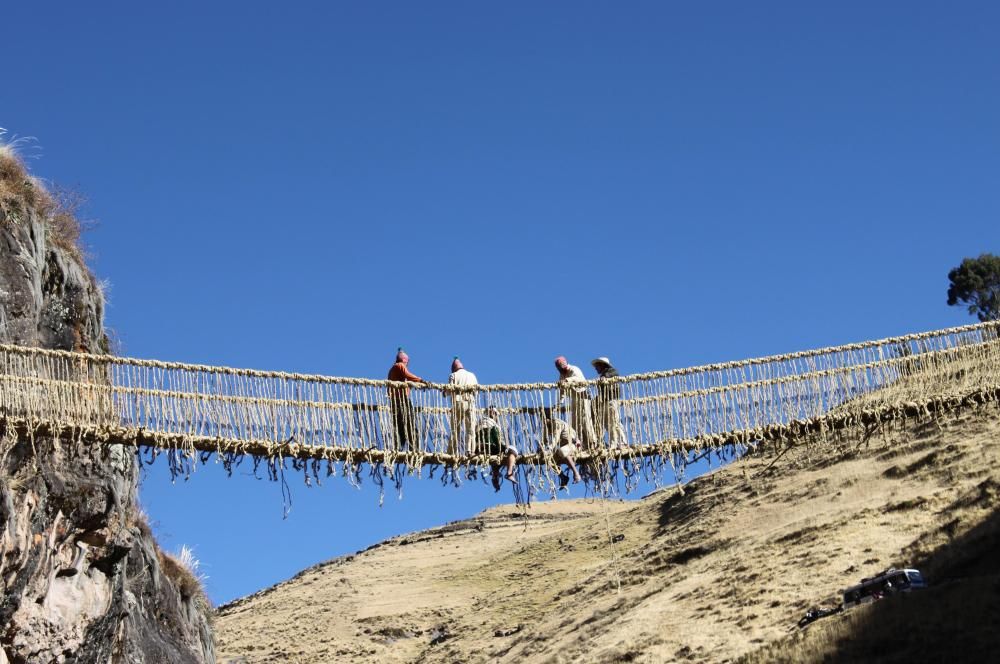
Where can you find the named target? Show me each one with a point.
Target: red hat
(401, 356)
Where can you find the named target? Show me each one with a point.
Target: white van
(888, 582)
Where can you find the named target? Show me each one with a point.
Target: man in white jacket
(572, 383)
(463, 409)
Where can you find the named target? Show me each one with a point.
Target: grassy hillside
(720, 573)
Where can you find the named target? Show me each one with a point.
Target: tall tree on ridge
(976, 284)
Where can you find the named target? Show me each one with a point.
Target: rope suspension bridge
(636, 424)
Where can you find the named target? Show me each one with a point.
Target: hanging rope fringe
(661, 418)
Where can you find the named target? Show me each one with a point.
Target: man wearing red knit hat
(572, 383)
(403, 416)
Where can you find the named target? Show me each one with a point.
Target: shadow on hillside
(958, 615)
(679, 508)
(700, 497)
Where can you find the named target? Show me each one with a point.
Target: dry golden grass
(20, 192)
(182, 570)
(714, 575)
(183, 578)
(932, 626)
(139, 519)
(959, 611)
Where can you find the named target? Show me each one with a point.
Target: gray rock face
(82, 576)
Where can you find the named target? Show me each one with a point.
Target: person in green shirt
(491, 441)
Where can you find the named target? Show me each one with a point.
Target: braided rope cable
(318, 378)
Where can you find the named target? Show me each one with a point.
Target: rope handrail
(718, 366)
(170, 394)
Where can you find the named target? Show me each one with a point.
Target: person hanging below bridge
(490, 438)
(403, 415)
(572, 383)
(609, 393)
(563, 445)
(463, 409)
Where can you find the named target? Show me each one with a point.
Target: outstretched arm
(412, 377)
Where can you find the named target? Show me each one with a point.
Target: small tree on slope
(976, 283)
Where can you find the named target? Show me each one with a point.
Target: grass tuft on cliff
(183, 569)
(20, 191)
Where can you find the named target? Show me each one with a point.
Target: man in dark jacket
(609, 393)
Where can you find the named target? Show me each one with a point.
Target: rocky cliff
(83, 578)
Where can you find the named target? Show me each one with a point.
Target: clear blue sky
(304, 186)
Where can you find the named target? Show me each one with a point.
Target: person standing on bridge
(573, 384)
(609, 393)
(403, 415)
(463, 408)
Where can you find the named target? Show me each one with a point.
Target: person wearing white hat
(609, 393)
